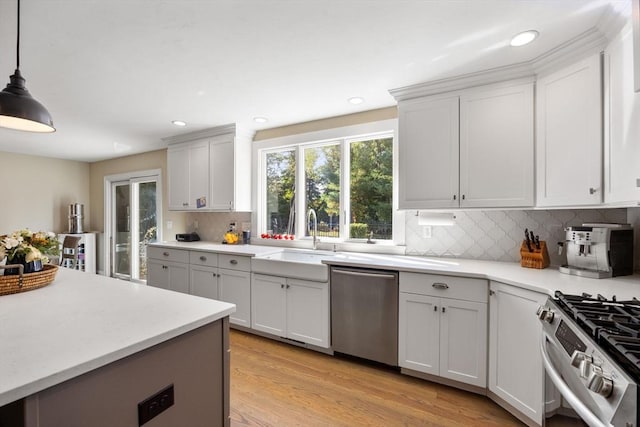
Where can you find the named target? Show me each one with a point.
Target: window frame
(343, 136)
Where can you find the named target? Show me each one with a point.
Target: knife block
(539, 258)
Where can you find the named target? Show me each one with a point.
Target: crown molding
(207, 133)
(589, 42)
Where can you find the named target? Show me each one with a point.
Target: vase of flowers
(31, 249)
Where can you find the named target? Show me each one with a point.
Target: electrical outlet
(154, 405)
(195, 224)
(169, 225)
(426, 231)
(246, 226)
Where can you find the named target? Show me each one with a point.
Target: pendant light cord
(18, 40)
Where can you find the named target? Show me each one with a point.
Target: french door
(134, 219)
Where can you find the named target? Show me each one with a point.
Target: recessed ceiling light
(179, 123)
(356, 100)
(523, 38)
(260, 119)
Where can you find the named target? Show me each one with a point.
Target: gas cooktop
(614, 325)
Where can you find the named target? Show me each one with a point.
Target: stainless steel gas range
(591, 352)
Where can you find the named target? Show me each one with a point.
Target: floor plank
(276, 384)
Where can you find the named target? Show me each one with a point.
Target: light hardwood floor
(276, 384)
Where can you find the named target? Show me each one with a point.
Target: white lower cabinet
(204, 281)
(515, 363)
(235, 287)
(443, 336)
(291, 308)
(168, 275)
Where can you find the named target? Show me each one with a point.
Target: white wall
(36, 192)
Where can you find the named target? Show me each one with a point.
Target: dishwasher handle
(362, 274)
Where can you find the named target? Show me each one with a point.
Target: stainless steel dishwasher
(364, 313)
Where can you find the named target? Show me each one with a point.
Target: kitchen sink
(295, 263)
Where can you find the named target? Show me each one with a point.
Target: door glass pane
(322, 181)
(122, 235)
(147, 223)
(371, 189)
(281, 175)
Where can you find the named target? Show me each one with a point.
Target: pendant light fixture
(18, 109)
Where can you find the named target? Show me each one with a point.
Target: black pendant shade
(18, 109)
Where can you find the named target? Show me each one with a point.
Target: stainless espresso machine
(599, 250)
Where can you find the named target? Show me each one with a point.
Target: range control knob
(578, 357)
(599, 383)
(545, 313)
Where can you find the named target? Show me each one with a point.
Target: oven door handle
(573, 400)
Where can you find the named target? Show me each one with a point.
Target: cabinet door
(569, 135)
(622, 134)
(204, 281)
(463, 341)
(515, 363)
(496, 147)
(168, 275)
(157, 274)
(308, 312)
(268, 304)
(178, 177)
(222, 173)
(418, 333)
(199, 175)
(428, 153)
(235, 287)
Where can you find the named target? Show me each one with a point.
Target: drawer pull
(233, 262)
(203, 258)
(439, 285)
(165, 253)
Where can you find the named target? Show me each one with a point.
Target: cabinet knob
(233, 262)
(492, 293)
(455, 197)
(435, 308)
(463, 197)
(219, 275)
(439, 285)
(203, 258)
(592, 190)
(288, 286)
(185, 204)
(282, 286)
(165, 253)
(443, 309)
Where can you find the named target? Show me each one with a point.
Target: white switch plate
(169, 225)
(426, 231)
(195, 224)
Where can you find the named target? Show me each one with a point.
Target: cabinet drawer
(234, 262)
(462, 288)
(177, 255)
(203, 258)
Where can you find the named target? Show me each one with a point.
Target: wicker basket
(15, 283)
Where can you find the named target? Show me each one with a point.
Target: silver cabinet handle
(233, 262)
(288, 286)
(592, 190)
(435, 308)
(165, 253)
(463, 197)
(443, 309)
(439, 285)
(203, 258)
(455, 197)
(281, 286)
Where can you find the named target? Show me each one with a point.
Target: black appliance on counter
(591, 352)
(187, 237)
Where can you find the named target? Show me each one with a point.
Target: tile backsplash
(497, 235)
(211, 226)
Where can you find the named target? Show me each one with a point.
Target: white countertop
(546, 281)
(81, 322)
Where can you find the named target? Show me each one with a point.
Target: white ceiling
(113, 74)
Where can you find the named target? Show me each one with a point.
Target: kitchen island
(86, 350)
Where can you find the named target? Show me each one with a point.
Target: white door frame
(108, 206)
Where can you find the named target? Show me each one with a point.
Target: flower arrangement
(24, 246)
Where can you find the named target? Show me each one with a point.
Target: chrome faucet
(315, 225)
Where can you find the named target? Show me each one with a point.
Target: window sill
(380, 247)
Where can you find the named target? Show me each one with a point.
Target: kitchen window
(347, 181)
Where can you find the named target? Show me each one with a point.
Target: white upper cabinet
(496, 147)
(569, 135)
(210, 170)
(188, 168)
(622, 132)
(428, 154)
(472, 148)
